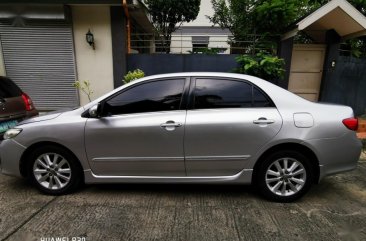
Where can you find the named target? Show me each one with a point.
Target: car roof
(279, 95)
(199, 74)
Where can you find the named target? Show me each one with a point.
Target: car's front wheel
(54, 170)
(285, 176)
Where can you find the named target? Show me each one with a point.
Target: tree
(261, 17)
(168, 16)
(270, 18)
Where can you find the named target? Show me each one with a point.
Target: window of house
(162, 95)
(200, 43)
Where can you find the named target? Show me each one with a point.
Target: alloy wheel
(52, 171)
(285, 177)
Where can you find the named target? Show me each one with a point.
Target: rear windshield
(8, 89)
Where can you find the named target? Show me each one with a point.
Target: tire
(54, 170)
(280, 184)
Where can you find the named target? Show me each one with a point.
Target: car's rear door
(141, 133)
(228, 121)
(12, 107)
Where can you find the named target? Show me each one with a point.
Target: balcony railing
(208, 44)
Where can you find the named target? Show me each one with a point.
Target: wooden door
(306, 70)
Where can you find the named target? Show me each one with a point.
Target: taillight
(351, 123)
(28, 102)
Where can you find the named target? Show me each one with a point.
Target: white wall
(2, 65)
(93, 65)
(202, 20)
(181, 44)
(220, 42)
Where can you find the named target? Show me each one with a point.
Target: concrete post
(285, 52)
(2, 65)
(118, 27)
(333, 41)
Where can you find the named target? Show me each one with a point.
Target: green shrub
(84, 86)
(208, 51)
(133, 75)
(262, 65)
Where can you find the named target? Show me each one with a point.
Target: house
(200, 34)
(43, 46)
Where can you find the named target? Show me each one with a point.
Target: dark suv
(15, 105)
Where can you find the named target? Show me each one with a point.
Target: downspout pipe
(128, 25)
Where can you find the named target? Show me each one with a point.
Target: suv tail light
(351, 123)
(28, 102)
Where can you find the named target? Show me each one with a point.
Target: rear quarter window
(8, 88)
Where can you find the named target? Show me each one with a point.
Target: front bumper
(10, 155)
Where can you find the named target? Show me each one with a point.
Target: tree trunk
(167, 42)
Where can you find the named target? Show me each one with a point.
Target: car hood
(48, 116)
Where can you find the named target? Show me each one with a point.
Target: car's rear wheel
(54, 170)
(285, 176)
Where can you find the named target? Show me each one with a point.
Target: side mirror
(94, 111)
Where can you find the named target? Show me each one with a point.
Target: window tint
(259, 99)
(8, 89)
(161, 95)
(218, 93)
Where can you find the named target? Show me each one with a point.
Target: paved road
(333, 210)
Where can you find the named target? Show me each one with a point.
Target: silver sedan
(187, 128)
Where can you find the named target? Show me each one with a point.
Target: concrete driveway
(333, 210)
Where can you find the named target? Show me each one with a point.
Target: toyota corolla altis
(187, 128)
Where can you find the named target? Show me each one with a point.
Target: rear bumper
(336, 155)
(10, 154)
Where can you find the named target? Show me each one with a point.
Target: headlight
(11, 133)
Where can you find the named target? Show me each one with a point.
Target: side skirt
(243, 177)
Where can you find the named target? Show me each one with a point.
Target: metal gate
(40, 59)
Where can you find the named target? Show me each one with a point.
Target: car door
(228, 121)
(141, 131)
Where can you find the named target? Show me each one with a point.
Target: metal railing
(215, 44)
(186, 44)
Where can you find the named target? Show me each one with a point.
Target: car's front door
(141, 131)
(227, 123)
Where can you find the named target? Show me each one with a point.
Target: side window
(260, 99)
(217, 93)
(221, 93)
(163, 95)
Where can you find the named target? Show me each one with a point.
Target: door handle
(263, 121)
(170, 125)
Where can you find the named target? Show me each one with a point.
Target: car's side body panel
(221, 141)
(336, 148)
(136, 144)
